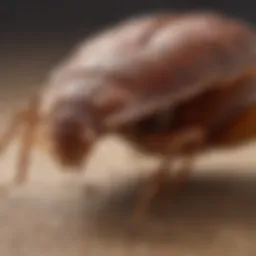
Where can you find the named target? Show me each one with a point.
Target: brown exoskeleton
(173, 84)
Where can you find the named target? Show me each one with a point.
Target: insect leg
(188, 137)
(31, 120)
(180, 179)
(148, 193)
(11, 130)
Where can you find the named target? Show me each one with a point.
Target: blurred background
(214, 215)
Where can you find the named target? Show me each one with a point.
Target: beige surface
(54, 214)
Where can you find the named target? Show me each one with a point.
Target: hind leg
(180, 179)
(188, 137)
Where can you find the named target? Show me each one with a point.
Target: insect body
(173, 84)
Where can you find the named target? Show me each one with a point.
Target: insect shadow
(202, 208)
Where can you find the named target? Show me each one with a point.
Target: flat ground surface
(54, 214)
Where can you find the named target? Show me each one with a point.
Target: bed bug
(173, 84)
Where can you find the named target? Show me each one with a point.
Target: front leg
(12, 130)
(31, 120)
(27, 119)
(190, 137)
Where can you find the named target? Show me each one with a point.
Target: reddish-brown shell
(149, 63)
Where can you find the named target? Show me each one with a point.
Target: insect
(173, 84)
